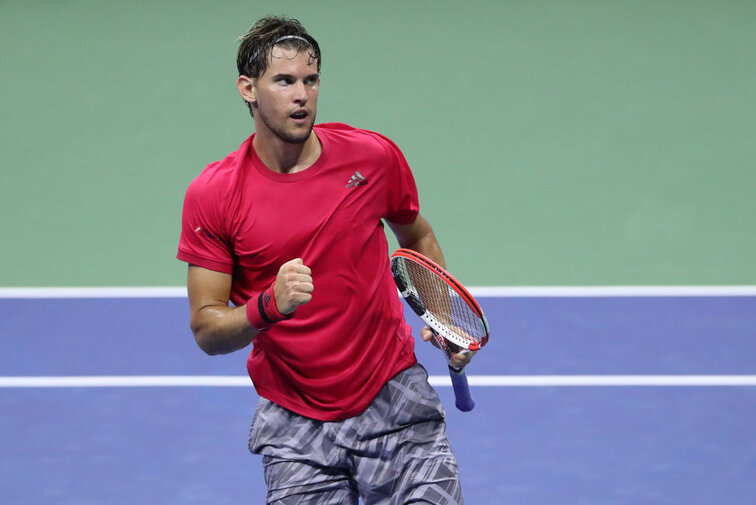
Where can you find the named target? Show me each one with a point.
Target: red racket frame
(453, 283)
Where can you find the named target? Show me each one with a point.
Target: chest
(332, 214)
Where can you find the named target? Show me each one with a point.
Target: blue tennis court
(535, 436)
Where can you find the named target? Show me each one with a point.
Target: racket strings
(443, 302)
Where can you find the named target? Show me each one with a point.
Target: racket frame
(428, 318)
(443, 336)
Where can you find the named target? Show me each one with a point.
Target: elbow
(206, 344)
(215, 334)
(204, 340)
(206, 347)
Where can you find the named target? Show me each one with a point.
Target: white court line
(610, 291)
(609, 380)
(478, 291)
(95, 292)
(108, 381)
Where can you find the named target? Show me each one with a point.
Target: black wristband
(262, 301)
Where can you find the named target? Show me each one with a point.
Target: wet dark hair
(257, 44)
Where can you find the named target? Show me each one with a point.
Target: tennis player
(289, 229)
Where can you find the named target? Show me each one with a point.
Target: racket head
(440, 300)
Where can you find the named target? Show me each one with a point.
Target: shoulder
(219, 178)
(342, 133)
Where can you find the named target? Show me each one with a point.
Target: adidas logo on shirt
(356, 180)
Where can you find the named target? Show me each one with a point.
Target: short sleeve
(204, 241)
(403, 203)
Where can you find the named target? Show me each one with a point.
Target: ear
(247, 88)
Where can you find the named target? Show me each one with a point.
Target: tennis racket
(449, 310)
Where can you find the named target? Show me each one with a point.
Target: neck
(285, 157)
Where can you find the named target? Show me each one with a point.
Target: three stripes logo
(356, 180)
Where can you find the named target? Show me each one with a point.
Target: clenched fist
(293, 286)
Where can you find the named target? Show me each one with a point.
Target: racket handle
(463, 399)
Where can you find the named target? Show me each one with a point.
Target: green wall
(554, 143)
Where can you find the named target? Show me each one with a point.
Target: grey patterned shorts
(395, 452)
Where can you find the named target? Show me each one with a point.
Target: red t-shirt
(330, 360)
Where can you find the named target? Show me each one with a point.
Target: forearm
(419, 237)
(429, 247)
(222, 329)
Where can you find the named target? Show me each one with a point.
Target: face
(286, 95)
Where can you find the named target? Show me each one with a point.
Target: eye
(311, 81)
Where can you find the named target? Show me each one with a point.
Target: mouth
(299, 115)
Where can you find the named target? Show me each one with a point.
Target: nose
(300, 93)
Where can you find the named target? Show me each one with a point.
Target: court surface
(580, 400)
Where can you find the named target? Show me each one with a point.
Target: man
(289, 229)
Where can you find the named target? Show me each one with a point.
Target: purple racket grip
(463, 399)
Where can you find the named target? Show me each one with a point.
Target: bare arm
(419, 237)
(217, 328)
(221, 329)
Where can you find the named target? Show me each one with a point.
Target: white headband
(277, 41)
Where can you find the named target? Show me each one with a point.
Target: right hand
(459, 359)
(293, 286)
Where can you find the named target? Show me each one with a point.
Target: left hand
(460, 358)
